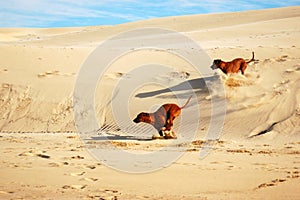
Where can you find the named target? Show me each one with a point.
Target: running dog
(162, 119)
(233, 66)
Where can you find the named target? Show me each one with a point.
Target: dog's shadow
(119, 138)
(198, 85)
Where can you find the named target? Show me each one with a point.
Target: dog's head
(216, 64)
(142, 117)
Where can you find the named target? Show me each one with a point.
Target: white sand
(258, 152)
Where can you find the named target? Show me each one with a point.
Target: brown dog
(233, 66)
(162, 119)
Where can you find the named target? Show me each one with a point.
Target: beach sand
(256, 155)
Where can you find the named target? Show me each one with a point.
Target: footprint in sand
(295, 68)
(6, 192)
(77, 157)
(3, 70)
(90, 167)
(282, 58)
(74, 187)
(26, 154)
(117, 75)
(180, 75)
(231, 167)
(90, 179)
(77, 174)
(238, 151)
(55, 164)
(54, 73)
(48, 73)
(281, 87)
(72, 137)
(272, 183)
(267, 60)
(42, 155)
(38, 154)
(106, 194)
(294, 174)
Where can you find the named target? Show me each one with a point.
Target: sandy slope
(37, 62)
(258, 152)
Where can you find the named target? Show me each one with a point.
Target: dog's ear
(145, 114)
(217, 61)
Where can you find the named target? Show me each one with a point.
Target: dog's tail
(252, 59)
(187, 102)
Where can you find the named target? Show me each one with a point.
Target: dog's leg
(169, 123)
(161, 131)
(243, 67)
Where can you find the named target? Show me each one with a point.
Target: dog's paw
(157, 137)
(163, 129)
(169, 134)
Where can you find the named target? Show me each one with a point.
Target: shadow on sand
(118, 138)
(198, 85)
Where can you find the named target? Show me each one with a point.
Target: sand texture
(256, 157)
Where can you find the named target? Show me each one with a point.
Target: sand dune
(256, 156)
(41, 60)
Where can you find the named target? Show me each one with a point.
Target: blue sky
(62, 13)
